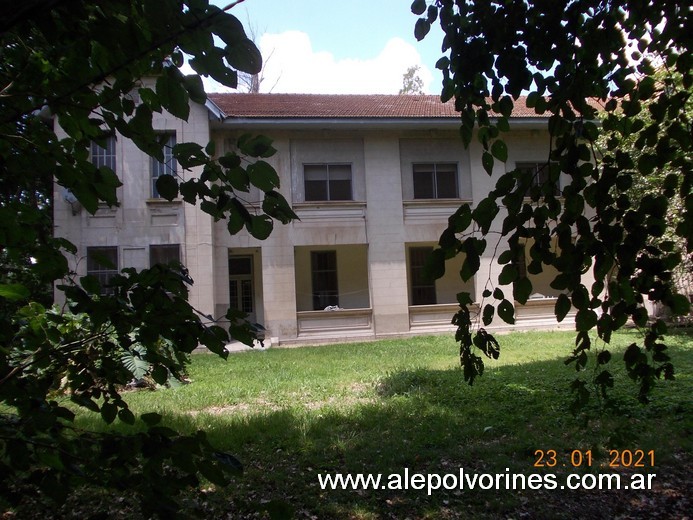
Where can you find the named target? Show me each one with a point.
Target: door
(241, 293)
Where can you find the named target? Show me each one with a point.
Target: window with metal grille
(164, 254)
(323, 265)
(435, 181)
(102, 264)
(423, 289)
(104, 155)
(327, 182)
(168, 166)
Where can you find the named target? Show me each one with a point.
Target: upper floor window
(327, 182)
(168, 166)
(435, 181)
(106, 155)
(102, 264)
(540, 174)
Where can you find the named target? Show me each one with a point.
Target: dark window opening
(327, 182)
(323, 266)
(435, 181)
(102, 264)
(423, 289)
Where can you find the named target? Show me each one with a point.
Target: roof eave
(347, 123)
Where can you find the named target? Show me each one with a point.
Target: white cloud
(292, 66)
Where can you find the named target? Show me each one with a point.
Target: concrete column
(385, 228)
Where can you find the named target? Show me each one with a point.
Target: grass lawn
(381, 407)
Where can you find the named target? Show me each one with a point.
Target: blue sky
(339, 46)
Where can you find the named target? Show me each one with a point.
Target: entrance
(241, 291)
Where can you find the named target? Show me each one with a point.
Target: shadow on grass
(430, 421)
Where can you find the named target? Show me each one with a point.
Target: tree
(411, 82)
(571, 61)
(78, 64)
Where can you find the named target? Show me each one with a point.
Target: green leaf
(603, 357)
(585, 320)
(173, 96)
(167, 186)
(108, 412)
(522, 288)
(263, 175)
(260, 226)
(484, 213)
(196, 90)
(126, 416)
(500, 150)
(434, 267)
(418, 7)
(244, 55)
(258, 146)
(14, 291)
(421, 28)
(506, 312)
(508, 274)
(160, 374)
(487, 162)
(562, 307)
(134, 362)
(487, 316)
(90, 284)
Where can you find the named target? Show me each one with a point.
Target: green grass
(380, 407)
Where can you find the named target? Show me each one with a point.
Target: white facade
(372, 193)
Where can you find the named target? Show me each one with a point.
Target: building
(373, 179)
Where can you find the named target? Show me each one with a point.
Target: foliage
(81, 65)
(411, 82)
(574, 60)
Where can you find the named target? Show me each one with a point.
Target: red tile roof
(334, 106)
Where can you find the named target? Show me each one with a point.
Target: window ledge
(163, 202)
(431, 210)
(436, 202)
(330, 210)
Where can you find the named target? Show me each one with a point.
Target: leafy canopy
(82, 65)
(572, 61)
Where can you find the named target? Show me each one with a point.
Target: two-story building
(373, 179)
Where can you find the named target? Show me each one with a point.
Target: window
(435, 181)
(241, 283)
(423, 289)
(540, 174)
(164, 254)
(323, 266)
(520, 261)
(327, 182)
(102, 263)
(104, 156)
(168, 167)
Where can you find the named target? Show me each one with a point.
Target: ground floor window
(102, 264)
(423, 289)
(164, 254)
(323, 265)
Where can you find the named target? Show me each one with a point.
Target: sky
(338, 46)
